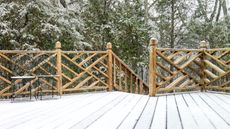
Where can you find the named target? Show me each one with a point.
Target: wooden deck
(118, 110)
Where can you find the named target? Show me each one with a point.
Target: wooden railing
(125, 79)
(170, 70)
(173, 70)
(76, 70)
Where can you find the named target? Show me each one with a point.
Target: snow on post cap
(109, 45)
(153, 42)
(58, 45)
(203, 44)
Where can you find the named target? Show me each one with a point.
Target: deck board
(173, 116)
(198, 114)
(113, 119)
(146, 117)
(118, 110)
(214, 118)
(134, 114)
(84, 123)
(220, 103)
(224, 114)
(187, 118)
(160, 115)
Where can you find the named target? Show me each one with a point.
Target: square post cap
(109, 45)
(204, 44)
(58, 45)
(153, 42)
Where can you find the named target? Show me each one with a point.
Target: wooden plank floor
(118, 110)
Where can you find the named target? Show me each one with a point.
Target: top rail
(25, 51)
(195, 50)
(75, 52)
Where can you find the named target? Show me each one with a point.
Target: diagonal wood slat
(190, 61)
(172, 55)
(5, 89)
(5, 80)
(185, 83)
(219, 77)
(43, 62)
(223, 54)
(214, 67)
(66, 77)
(77, 56)
(83, 82)
(210, 73)
(93, 84)
(100, 71)
(165, 68)
(175, 82)
(178, 60)
(217, 60)
(87, 59)
(6, 69)
(72, 71)
(224, 84)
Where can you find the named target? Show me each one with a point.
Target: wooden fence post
(203, 46)
(110, 67)
(59, 67)
(152, 66)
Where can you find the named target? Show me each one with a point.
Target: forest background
(127, 24)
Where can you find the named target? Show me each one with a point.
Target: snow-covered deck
(112, 110)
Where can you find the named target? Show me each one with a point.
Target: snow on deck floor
(118, 110)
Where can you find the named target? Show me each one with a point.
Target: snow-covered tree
(40, 24)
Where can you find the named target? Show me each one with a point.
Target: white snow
(111, 110)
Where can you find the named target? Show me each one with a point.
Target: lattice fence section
(84, 71)
(177, 70)
(21, 63)
(125, 79)
(217, 69)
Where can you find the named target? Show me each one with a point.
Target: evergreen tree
(39, 24)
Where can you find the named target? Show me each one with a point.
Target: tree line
(128, 24)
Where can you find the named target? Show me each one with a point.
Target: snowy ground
(111, 110)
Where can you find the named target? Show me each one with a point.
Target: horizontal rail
(182, 50)
(25, 51)
(76, 52)
(195, 50)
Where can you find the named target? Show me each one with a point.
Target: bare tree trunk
(172, 38)
(225, 10)
(214, 11)
(218, 13)
(146, 11)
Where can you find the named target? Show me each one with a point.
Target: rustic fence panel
(188, 69)
(74, 71)
(217, 69)
(83, 70)
(18, 63)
